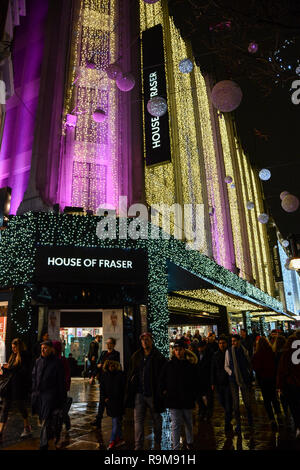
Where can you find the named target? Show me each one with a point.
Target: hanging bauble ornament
(253, 47)
(283, 194)
(263, 218)
(250, 205)
(285, 243)
(264, 174)
(232, 185)
(150, 1)
(186, 66)
(290, 203)
(113, 71)
(99, 115)
(157, 106)
(226, 96)
(298, 70)
(228, 179)
(126, 82)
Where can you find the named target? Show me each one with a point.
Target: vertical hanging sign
(157, 136)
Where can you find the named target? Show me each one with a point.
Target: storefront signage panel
(156, 128)
(89, 265)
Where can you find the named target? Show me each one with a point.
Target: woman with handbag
(15, 385)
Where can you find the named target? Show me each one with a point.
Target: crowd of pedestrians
(199, 371)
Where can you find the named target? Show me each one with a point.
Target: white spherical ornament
(263, 218)
(285, 243)
(283, 194)
(298, 70)
(186, 66)
(250, 205)
(113, 71)
(264, 174)
(226, 96)
(228, 179)
(290, 203)
(232, 185)
(126, 82)
(157, 106)
(99, 115)
(150, 2)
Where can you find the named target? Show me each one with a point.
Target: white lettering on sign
(155, 127)
(90, 263)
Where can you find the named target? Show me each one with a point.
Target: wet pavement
(208, 435)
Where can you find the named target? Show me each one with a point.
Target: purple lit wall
(16, 150)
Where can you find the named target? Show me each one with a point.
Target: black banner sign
(90, 265)
(156, 128)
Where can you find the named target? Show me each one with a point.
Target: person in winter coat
(247, 342)
(179, 388)
(93, 357)
(112, 383)
(288, 378)
(220, 382)
(48, 393)
(18, 369)
(57, 346)
(112, 355)
(142, 389)
(263, 363)
(238, 367)
(278, 348)
(205, 393)
(37, 346)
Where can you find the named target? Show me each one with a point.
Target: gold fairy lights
(96, 156)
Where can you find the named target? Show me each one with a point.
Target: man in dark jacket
(143, 389)
(93, 356)
(48, 393)
(220, 382)
(205, 396)
(179, 388)
(247, 342)
(238, 367)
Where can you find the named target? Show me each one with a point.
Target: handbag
(4, 382)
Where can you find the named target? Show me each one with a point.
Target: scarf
(237, 372)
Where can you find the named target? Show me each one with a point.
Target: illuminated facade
(205, 150)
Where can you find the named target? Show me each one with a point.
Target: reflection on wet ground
(208, 435)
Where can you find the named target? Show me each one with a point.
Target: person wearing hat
(142, 389)
(48, 391)
(179, 388)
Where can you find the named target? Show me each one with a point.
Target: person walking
(263, 363)
(220, 382)
(112, 383)
(204, 389)
(93, 357)
(57, 347)
(238, 368)
(278, 348)
(288, 378)
(37, 346)
(18, 374)
(142, 389)
(247, 342)
(112, 355)
(48, 393)
(179, 389)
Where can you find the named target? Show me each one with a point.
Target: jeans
(6, 405)
(246, 395)
(268, 390)
(178, 417)
(225, 400)
(140, 407)
(116, 428)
